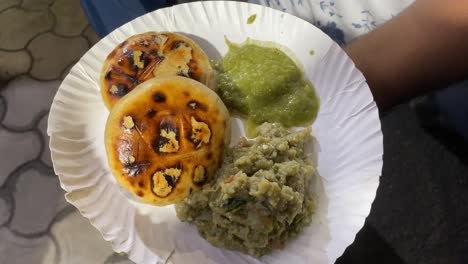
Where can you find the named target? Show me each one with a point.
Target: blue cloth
(107, 15)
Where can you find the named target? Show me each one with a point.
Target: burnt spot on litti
(153, 60)
(190, 72)
(136, 168)
(129, 55)
(129, 77)
(108, 75)
(159, 97)
(193, 69)
(147, 59)
(182, 73)
(151, 113)
(160, 58)
(200, 133)
(177, 44)
(164, 180)
(138, 59)
(144, 43)
(168, 139)
(154, 53)
(118, 89)
(194, 105)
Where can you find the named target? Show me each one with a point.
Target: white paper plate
(347, 129)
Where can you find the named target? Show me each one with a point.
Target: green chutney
(259, 80)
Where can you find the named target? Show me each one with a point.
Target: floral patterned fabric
(342, 20)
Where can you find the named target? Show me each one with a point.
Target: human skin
(422, 49)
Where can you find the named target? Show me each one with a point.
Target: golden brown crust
(166, 138)
(151, 54)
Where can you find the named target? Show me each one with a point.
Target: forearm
(419, 50)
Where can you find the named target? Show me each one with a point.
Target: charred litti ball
(166, 138)
(152, 54)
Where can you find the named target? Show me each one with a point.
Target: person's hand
(451, 14)
(423, 48)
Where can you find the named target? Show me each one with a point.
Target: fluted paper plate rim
(347, 131)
